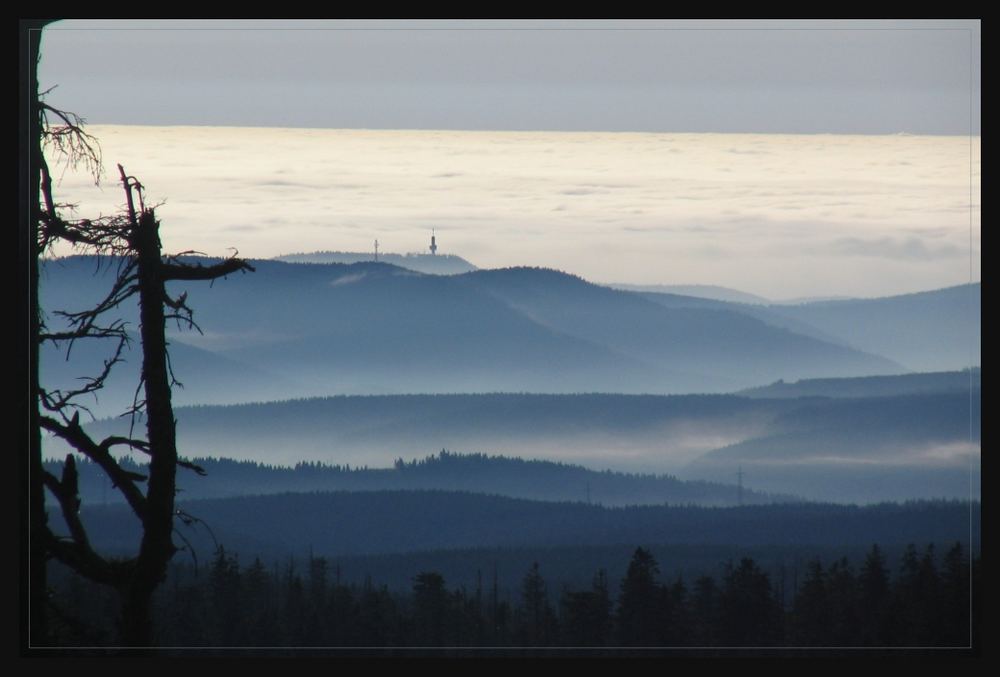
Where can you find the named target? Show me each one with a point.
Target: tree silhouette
(225, 598)
(131, 241)
(640, 602)
(538, 618)
(812, 608)
(842, 597)
(586, 614)
(916, 600)
(430, 609)
(705, 610)
(749, 615)
(956, 606)
(677, 614)
(873, 584)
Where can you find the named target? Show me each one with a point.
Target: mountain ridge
(375, 327)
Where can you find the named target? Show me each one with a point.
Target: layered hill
(377, 328)
(928, 331)
(859, 448)
(852, 449)
(478, 473)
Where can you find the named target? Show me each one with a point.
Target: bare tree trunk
(157, 545)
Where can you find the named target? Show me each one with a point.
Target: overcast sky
(919, 77)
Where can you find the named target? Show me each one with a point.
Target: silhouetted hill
(709, 339)
(761, 312)
(377, 328)
(701, 291)
(928, 331)
(433, 264)
(872, 386)
(345, 523)
(513, 477)
(902, 447)
(620, 431)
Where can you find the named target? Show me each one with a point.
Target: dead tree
(143, 272)
(131, 241)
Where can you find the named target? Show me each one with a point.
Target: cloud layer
(777, 215)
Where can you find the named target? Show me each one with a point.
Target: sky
(786, 159)
(881, 77)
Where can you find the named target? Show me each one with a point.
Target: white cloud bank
(777, 215)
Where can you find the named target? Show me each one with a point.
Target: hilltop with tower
(431, 263)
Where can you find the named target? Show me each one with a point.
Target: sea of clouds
(777, 215)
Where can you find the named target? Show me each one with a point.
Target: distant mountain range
(294, 330)
(931, 331)
(306, 330)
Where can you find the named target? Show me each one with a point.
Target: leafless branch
(188, 465)
(170, 372)
(141, 445)
(69, 503)
(111, 331)
(104, 234)
(88, 563)
(70, 140)
(76, 552)
(174, 271)
(144, 448)
(57, 402)
(184, 312)
(188, 547)
(100, 454)
(60, 400)
(190, 520)
(124, 287)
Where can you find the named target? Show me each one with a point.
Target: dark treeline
(381, 522)
(928, 601)
(873, 386)
(507, 476)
